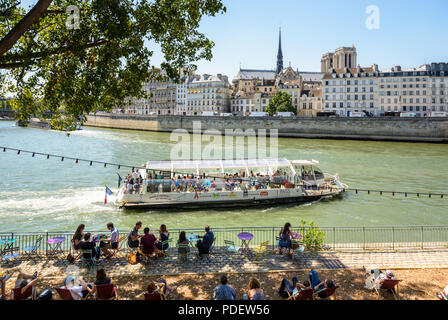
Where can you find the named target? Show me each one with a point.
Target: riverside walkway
(224, 262)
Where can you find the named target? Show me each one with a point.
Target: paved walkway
(222, 261)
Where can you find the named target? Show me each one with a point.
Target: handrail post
(334, 238)
(422, 237)
(364, 238)
(393, 238)
(46, 243)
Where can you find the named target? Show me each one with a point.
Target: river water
(37, 194)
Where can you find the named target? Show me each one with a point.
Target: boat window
(307, 173)
(318, 173)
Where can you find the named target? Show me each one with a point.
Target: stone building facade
(404, 90)
(343, 57)
(439, 87)
(206, 93)
(350, 90)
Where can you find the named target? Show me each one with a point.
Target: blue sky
(412, 32)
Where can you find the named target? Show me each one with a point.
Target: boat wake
(67, 201)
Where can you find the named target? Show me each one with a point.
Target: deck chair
(210, 249)
(260, 251)
(154, 296)
(329, 291)
(89, 262)
(389, 284)
(121, 242)
(65, 294)
(306, 294)
(31, 251)
(29, 294)
(165, 244)
(106, 292)
(146, 257)
(10, 256)
(231, 246)
(179, 255)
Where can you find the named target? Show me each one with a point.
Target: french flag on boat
(108, 192)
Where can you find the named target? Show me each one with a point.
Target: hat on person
(69, 281)
(389, 273)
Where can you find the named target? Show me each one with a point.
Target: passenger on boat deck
(137, 188)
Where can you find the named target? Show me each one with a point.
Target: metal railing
(335, 238)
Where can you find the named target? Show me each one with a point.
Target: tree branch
(20, 28)
(13, 61)
(6, 11)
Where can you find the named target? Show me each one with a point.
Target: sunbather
(286, 287)
(3, 280)
(318, 286)
(78, 291)
(24, 282)
(161, 288)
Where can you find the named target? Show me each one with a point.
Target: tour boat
(226, 183)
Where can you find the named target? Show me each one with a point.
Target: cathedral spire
(280, 53)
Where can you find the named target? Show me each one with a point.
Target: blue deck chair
(89, 262)
(10, 256)
(231, 246)
(32, 250)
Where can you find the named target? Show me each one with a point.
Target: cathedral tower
(280, 53)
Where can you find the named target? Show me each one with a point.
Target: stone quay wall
(383, 129)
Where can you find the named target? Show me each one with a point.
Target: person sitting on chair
(77, 237)
(319, 286)
(224, 291)
(255, 292)
(183, 240)
(101, 279)
(3, 280)
(285, 238)
(206, 242)
(148, 243)
(163, 236)
(161, 289)
(24, 282)
(112, 243)
(286, 287)
(133, 237)
(87, 244)
(79, 291)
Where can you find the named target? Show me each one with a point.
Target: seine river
(37, 194)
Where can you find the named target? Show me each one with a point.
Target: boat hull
(224, 199)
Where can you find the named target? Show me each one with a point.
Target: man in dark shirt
(89, 245)
(148, 242)
(206, 242)
(133, 236)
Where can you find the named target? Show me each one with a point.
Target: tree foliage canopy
(281, 102)
(72, 72)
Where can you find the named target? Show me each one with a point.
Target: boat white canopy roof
(224, 164)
